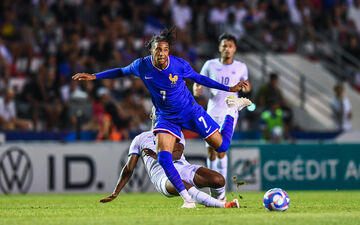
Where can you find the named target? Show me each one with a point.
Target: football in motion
(276, 199)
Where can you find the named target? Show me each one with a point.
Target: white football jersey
(227, 74)
(147, 140)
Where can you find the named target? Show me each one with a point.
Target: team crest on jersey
(173, 79)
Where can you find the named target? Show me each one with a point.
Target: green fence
(297, 167)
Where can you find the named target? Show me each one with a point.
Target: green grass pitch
(306, 208)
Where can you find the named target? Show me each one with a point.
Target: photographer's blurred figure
(8, 117)
(272, 123)
(341, 107)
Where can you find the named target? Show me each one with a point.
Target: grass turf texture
(306, 207)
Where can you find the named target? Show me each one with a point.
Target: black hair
(227, 36)
(166, 35)
(338, 86)
(273, 76)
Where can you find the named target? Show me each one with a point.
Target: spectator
(270, 93)
(182, 15)
(5, 65)
(101, 51)
(44, 98)
(163, 12)
(341, 108)
(337, 23)
(8, 117)
(353, 47)
(219, 13)
(354, 15)
(107, 119)
(240, 11)
(233, 27)
(261, 11)
(218, 16)
(356, 81)
(79, 108)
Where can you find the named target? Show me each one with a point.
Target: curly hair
(166, 35)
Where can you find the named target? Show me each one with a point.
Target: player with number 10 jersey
(227, 74)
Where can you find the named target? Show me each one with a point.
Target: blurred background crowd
(44, 42)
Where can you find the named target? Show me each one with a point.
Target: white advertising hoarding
(93, 167)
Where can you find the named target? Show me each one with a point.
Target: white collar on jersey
(219, 60)
(159, 68)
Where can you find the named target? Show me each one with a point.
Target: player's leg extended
(201, 197)
(165, 144)
(221, 141)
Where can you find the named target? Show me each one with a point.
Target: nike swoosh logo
(208, 130)
(148, 78)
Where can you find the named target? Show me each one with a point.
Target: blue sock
(165, 160)
(226, 133)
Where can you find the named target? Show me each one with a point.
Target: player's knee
(218, 181)
(223, 147)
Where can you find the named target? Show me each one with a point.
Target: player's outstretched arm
(208, 82)
(84, 76)
(108, 74)
(132, 69)
(125, 175)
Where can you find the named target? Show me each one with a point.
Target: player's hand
(151, 153)
(83, 76)
(197, 90)
(108, 199)
(239, 86)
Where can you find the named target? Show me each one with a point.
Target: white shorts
(186, 171)
(220, 120)
(159, 182)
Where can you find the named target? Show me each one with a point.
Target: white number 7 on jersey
(201, 119)
(163, 94)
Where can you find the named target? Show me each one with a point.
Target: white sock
(222, 166)
(232, 111)
(211, 164)
(205, 199)
(218, 193)
(185, 195)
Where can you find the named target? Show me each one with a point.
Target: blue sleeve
(132, 69)
(203, 80)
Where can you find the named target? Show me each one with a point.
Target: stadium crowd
(44, 42)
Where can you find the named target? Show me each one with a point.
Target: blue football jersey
(170, 95)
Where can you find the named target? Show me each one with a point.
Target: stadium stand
(44, 42)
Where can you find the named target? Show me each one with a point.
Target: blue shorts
(198, 121)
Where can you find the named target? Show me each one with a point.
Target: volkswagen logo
(16, 172)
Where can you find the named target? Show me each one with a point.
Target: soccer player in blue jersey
(164, 76)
